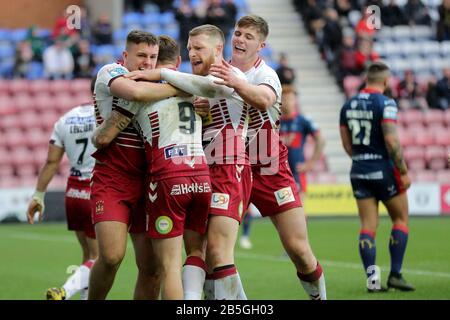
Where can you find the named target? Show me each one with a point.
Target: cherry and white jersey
(172, 133)
(225, 128)
(263, 140)
(73, 132)
(126, 151)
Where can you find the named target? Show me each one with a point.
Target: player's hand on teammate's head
(406, 180)
(34, 207)
(201, 106)
(146, 75)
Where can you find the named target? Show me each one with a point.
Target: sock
(397, 247)
(241, 294)
(314, 283)
(226, 283)
(246, 224)
(208, 287)
(79, 280)
(367, 249)
(194, 272)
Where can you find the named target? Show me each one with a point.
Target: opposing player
(274, 191)
(72, 135)
(294, 130)
(118, 183)
(378, 173)
(224, 132)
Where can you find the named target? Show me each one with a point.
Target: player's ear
(219, 49)
(124, 55)
(262, 45)
(178, 62)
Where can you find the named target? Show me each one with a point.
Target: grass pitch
(36, 257)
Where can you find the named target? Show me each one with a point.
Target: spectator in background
(443, 26)
(216, 14)
(365, 54)
(443, 90)
(58, 61)
(313, 18)
(187, 20)
(163, 5)
(102, 31)
(84, 60)
(343, 8)
(232, 11)
(23, 58)
(416, 13)
(332, 38)
(61, 28)
(36, 42)
(284, 72)
(431, 95)
(409, 93)
(347, 53)
(392, 14)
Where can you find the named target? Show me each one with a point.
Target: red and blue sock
(397, 247)
(367, 248)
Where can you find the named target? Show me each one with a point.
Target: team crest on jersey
(116, 71)
(176, 151)
(99, 207)
(164, 225)
(220, 201)
(207, 120)
(284, 195)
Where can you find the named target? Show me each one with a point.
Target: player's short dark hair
(138, 36)
(169, 50)
(209, 30)
(94, 78)
(254, 21)
(377, 72)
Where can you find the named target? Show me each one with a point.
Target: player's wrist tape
(38, 196)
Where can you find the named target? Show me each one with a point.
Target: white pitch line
(337, 264)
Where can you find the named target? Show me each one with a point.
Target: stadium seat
(29, 120)
(402, 33)
(441, 136)
(14, 137)
(436, 157)
(37, 139)
(415, 157)
(57, 86)
(9, 181)
(443, 176)
(21, 156)
(4, 87)
(39, 86)
(424, 176)
(19, 86)
(406, 137)
(420, 33)
(447, 117)
(430, 48)
(82, 98)
(423, 138)
(5, 170)
(63, 102)
(445, 48)
(26, 170)
(40, 156)
(24, 102)
(80, 86)
(43, 101)
(434, 118)
(412, 117)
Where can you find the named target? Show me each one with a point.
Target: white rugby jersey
(225, 127)
(172, 133)
(73, 132)
(126, 151)
(262, 74)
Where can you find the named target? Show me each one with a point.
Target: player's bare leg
(221, 238)
(291, 227)
(168, 253)
(112, 243)
(194, 268)
(398, 211)
(148, 279)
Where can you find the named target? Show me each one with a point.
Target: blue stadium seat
(7, 50)
(44, 33)
(120, 35)
(36, 71)
(185, 66)
(19, 35)
(132, 18)
(5, 34)
(151, 18)
(167, 18)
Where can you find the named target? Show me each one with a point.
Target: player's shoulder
(263, 69)
(112, 70)
(239, 73)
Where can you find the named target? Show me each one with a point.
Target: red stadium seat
(24, 102)
(40, 156)
(9, 181)
(447, 117)
(351, 85)
(39, 86)
(436, 157)
(434, 117)
(82, 98)
(406, 137)
(44, 101)
(26, 170)
(5, 160)
(78, 86)
(415, 157)
(442, 136)
(60, 86)
(443, 176)
(21, 156)
(423, 138)
(63, 102)
(29, 120)
(424, 176)
(27, 181)
(19, 86)
(7, 105)
(6, 170)
(37, 139)
(14, 138)
(4, 87)
(412, 117)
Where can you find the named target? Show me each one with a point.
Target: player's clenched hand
(201, 106)
(406, 181)
(147, 75)
(224, 72)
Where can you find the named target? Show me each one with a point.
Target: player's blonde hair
(209, 30)
(257, 22)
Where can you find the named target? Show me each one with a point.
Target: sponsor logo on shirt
(176, 151)
(116, 71)
(220, 201)
(179, 189)
(164, 225)
(284, 195)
